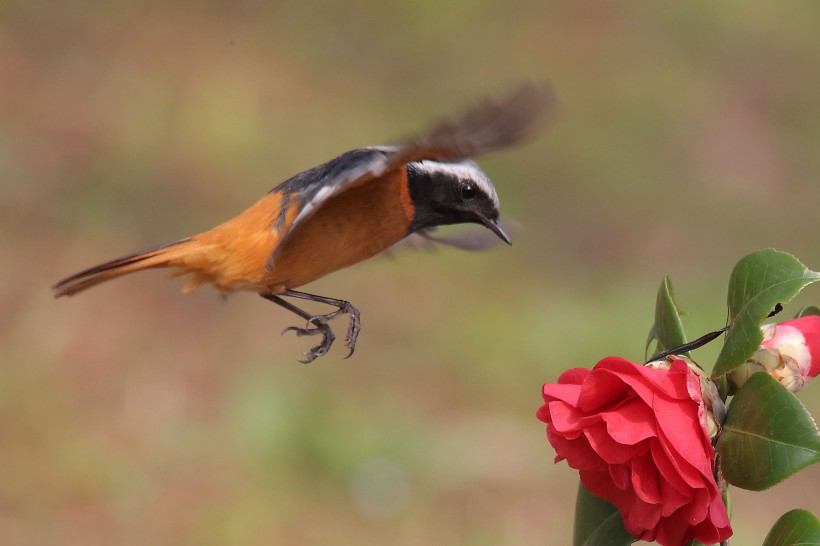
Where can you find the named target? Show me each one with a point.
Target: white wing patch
(374, 168)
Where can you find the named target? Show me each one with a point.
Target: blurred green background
(688, 136)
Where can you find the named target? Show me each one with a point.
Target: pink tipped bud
(790, 353)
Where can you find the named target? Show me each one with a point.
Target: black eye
(468, 191)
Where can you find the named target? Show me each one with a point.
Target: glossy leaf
(758, 283)
(597, 523)
(667, 330)
(768, 435)
(808, 311)
(795, 527)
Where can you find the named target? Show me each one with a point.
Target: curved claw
(319, 350)
(303, 331)
(312, 355)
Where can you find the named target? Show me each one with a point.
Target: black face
(452, 193)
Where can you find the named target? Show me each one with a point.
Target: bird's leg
(319, 321)
(344, 307)
(320, 327)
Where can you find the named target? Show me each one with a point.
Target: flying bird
(345, 211)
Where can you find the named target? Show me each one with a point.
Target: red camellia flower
(638, 437)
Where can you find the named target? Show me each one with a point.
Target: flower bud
(790, 353)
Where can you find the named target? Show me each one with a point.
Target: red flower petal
(645, 480)
(568, 393)
(609, 449)
(632, 422)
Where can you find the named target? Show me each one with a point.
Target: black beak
(495, 227)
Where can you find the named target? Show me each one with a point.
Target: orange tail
(161, 256)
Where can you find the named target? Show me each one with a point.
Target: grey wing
(488, 126)
(306, 192)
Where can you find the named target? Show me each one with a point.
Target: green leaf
(758, 282)
(597, 523)
(668, 328)
(808, 311)
(795, 527)
(768, 435)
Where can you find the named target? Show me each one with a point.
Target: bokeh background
(687, 136)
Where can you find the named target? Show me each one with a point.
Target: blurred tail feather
(162, 256)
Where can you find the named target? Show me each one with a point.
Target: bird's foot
(320, 326)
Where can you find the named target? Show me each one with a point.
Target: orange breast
(345, 230)
(350, 228)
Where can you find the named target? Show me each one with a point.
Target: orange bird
(345, 211)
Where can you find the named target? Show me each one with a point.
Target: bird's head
(452, 193)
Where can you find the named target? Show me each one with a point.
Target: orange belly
(347, 229)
